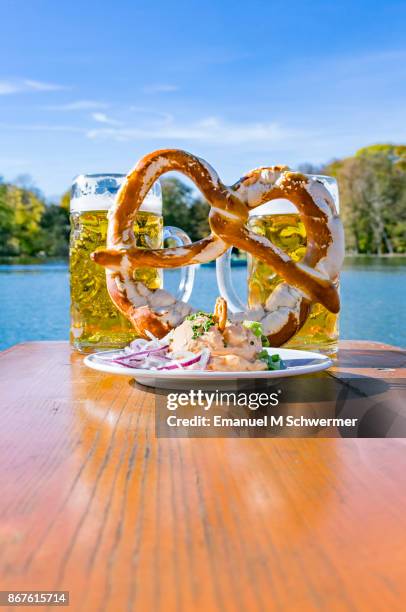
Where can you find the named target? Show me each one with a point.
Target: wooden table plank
(375, 359)
(93, 503)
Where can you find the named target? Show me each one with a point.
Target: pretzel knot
(308, 281)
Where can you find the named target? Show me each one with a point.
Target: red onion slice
(182, 364)
(151, 355)
(141, 355)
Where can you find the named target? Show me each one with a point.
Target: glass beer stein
(279, 221)
(96, 323)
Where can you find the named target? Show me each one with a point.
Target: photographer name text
(263, 421)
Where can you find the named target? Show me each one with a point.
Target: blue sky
(92, 86)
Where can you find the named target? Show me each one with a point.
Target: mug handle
(225, 283)
(187, 273)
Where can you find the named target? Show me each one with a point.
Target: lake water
(34, 300)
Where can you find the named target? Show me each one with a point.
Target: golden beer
(95, 320)
(320, 331)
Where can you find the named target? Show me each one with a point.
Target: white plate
(297, 362)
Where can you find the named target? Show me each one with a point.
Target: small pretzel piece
(220, 313)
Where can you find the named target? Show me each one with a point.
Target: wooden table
(92, 502)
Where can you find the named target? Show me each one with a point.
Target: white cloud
(160, 88)
(6, 87)
(149, 114)
(41, 86)
(13, 86)
(78, 105)
(41, 127)
(103, 118)
(206, 130)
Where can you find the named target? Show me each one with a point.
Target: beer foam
(151, 203)
(281, 206)
(89, 194)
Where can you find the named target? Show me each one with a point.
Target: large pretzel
(310, 280)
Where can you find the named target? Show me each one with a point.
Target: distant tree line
(372, 187)
(29, 227)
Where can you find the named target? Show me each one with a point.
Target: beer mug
(96, 323)
(279, 221)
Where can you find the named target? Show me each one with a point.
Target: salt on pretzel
(310, 280)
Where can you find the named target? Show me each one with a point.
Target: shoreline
(240, 261)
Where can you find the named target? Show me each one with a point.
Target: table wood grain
(92, 502)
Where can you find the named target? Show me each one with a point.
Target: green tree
(177, 200)
(395, 153)
(65, 201)
(28, 209)
(184, 209)
(28, 226)
(373, 198)
(55, 231)
(8, 243)
(199, 214)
